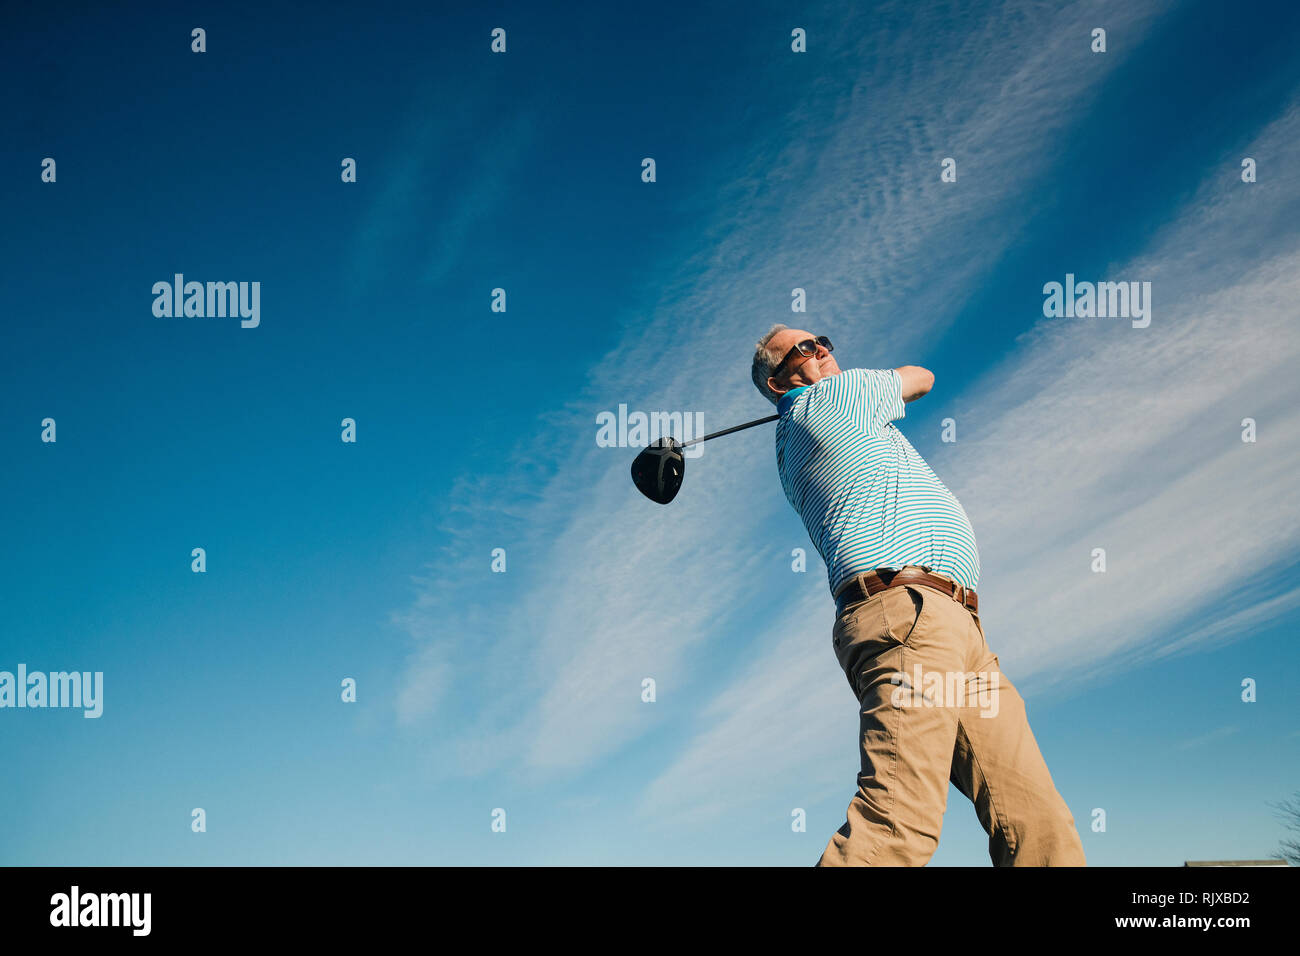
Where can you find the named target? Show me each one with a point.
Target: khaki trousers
(935, 708)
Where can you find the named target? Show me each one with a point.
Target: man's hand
(916, 381)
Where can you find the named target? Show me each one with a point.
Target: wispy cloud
(411, 219)
(1130, 440)
(1213, 736)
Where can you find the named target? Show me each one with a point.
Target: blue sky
(476, 429)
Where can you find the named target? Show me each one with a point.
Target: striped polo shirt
(866, 497)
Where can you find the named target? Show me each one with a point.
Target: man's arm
(916, 381)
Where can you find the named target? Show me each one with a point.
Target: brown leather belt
(860, 587)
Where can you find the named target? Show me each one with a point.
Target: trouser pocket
(888, 619)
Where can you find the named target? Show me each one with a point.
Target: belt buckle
(966, 599)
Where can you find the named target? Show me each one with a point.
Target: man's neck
(787, 399)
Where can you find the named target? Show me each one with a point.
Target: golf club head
(658, 471)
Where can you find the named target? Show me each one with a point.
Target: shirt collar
(787, 400)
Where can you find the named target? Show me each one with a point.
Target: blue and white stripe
(866, 497)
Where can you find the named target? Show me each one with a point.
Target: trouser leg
(896, 815)
(998, 766)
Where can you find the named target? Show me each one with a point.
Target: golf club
(658, 470)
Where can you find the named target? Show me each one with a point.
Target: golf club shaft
(728, 431)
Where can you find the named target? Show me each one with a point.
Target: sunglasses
(806, 348)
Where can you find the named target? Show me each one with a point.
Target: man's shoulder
(855, 379)
(860, 375)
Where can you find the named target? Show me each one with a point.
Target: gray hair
(765, 362)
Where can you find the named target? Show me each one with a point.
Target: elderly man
(901, 559)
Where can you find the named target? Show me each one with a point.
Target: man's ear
(771, 383)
